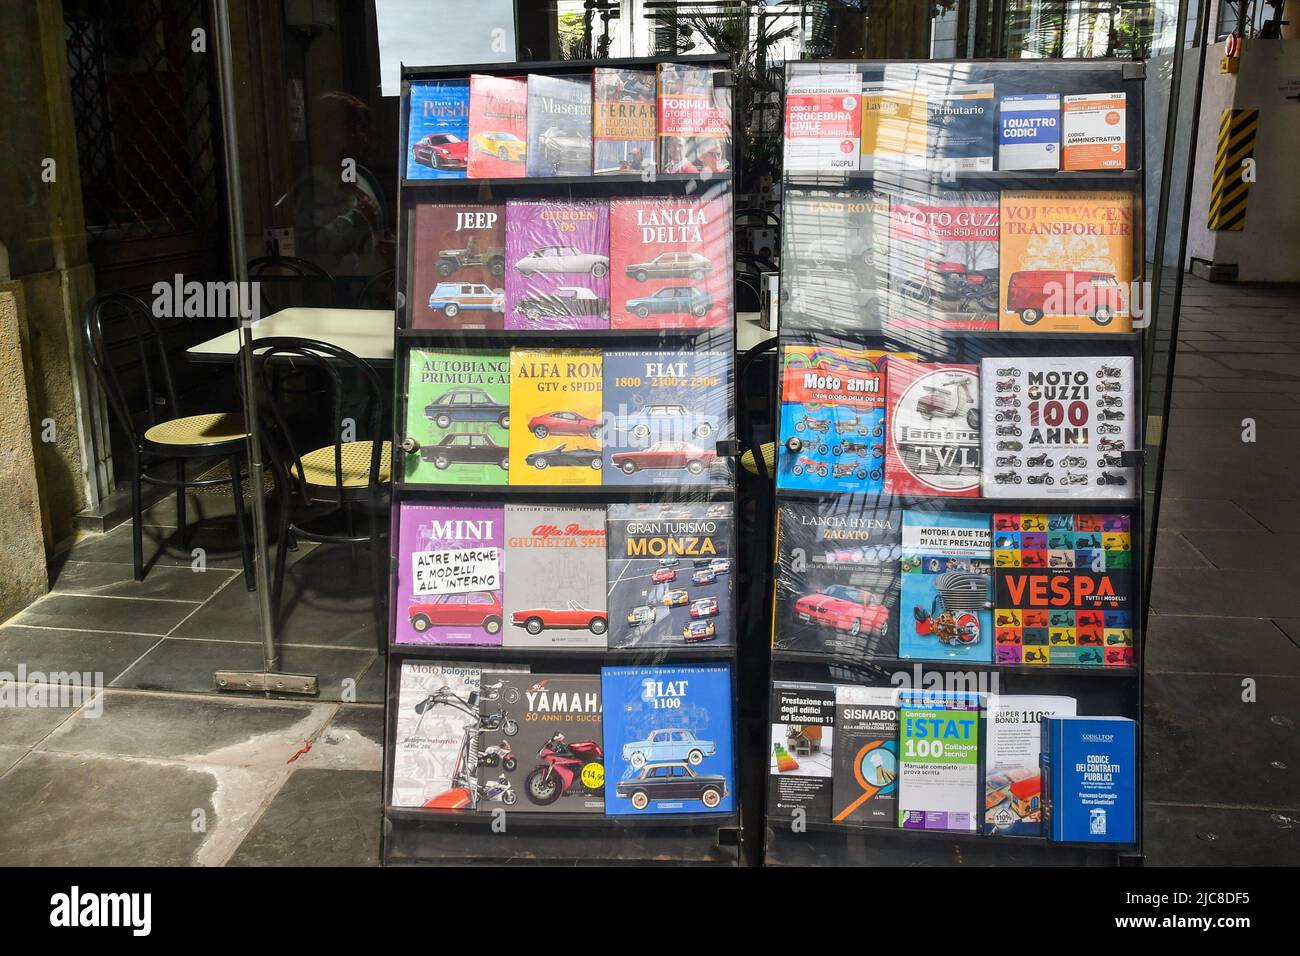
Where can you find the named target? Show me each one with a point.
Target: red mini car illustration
(664, 455)
(572, 617)
(564, 423)
(468, 609)
(844, 609)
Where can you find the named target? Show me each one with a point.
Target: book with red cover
(498, 126)
(694, 120)
(671, 262)
(458, 266)
(933, 429)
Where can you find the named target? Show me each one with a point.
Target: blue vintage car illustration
(668, 745)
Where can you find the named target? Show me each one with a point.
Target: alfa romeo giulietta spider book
(555, 417)
(557, 265)
(623, 125)
(947, 589)
(559, 125)
(458, 414)
(437, 130)
(801, 751)
(668, 740)
(458, 266)
(498, 126)
(555, 569)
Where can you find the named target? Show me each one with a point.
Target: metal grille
(145, 120)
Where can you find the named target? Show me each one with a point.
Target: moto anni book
(1090, 767)
(555, 417)
(437, 129)
(865, 791)
(557, 265)
(694, 116)
(559, 125)
(623, 123)
(802, 751)
(498, 126)
(947, 587)
(938, 761)
(457, 413)
(668, 736)
(1013, 785)
(933, 429)
(458, 264)
(555, 569)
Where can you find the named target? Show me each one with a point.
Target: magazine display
(559, 125)
(803, 750)
(458, 266)
(458, 413)
(557, 265)
(933, 429)
(865, 790)
(555, 420)
(498, 126)
(833, 246)
(947, 587)
(694, 115)
(623, 123)
(437, 130)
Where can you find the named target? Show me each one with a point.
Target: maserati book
(559, 125)
(555, 576)
(458, 264)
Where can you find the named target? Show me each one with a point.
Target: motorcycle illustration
(858, 448)
(493, 692)
(1006, 386)
(839, 471)
(952, 400)
(1110, 401)
(1108, 415)
(853, 423)
(1042, 480)
(1074, 478)
(1074, 461)
(1007, 478)
(1007, 401)
(1035, 657)
(1106, 478)
(498, 791)
(1110, 461)
(1010, 370)
(1012, 430)
(501, 721)
(498, 754)
(1010, 446)
(812, 424)
(1107, 429)
(812, 466)
(1008, 461)
(1108, 371)
(953, 617)
(1040, 461)
(1109, 444)
(1109, 386)
(562, 764)
(973, 290)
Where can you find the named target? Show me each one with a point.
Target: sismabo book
(457, 413)
(458, 265)
(959, 117)
(559, 125)
(694, 120)
(802, 751)
(1089, 779)
(1029, 131)
(555, 423)
(933, 429)
(938, 760)
(623, 124)
(947, 587)
(866, 756)
(437, 129)
(555, 576)
(498, 126)
(823, 119)
(1013, 797)
(557, 265)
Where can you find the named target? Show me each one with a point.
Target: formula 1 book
(1013, 785)
(671, 262)
(555, 576)
(823, 119)
(498, 126)
(834, 259)
(865, 790)
(437, 129)
(938, 768)
(694, 118)
(557, 265)
(555, 417)
(802, 751)
(1058, 427)
(666, 411)
(555, 762)
(623, 124)
(559, 125)
(458, 266)
(449, 574)
(837, 577)
(1063, 589)
(933, 429)
(668, 740)
(670, 577)
(947, 587)
(457, 413)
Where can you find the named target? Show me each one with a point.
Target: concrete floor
(172, 774)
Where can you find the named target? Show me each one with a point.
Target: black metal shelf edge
(781, 655)
(483, 653)
(943, 503)
(526, 337)
(964, 836)
(634, 180)
(944, 179)
(518, 67)
(635, 494)
(482, 820)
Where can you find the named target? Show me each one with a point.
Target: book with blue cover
(437, 130)
(959, 123)
(1089, 769)
(1029, 131)
(947, 594)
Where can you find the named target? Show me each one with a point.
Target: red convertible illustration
(664, 455)
(844, 609)
(564, 423)
(469, 609)
(573, 617)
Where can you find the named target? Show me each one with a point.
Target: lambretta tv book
(933, 428)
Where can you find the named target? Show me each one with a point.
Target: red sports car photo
(564, 423)
(664, 575)
(469, 609)
(704, 607)
(843, 608)
(664, 454)
(441, 151)
(573, 617)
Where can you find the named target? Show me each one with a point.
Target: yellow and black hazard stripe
(1229, 191)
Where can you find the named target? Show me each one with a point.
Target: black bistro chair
(333, 470)
(167, 436)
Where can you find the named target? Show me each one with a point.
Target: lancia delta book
(623, 124)
(947, 587)
(559, 125)
(498, 126)
(458, 415)
(555, 572)
(557, 265)
(834, 247)
(694, 118)
(555, 417)
(437, 130)
(802, 751)
(670, 577)
(865, 791)
(458, 266)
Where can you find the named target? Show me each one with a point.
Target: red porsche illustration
(564, 423)
(664, 454)
(573, 617)
(844, 609)
(469, 609)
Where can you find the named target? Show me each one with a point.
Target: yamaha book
(694, 120)
(1090, 779)
(559, 125)
(801, 752)
(458, 264)
(457, 417)
(623, 124)
(555, 576)
(866, 756)
(555, 417)
(932, 425)
(557, 265)
(498, 126)
(437, 129)
(947, 587)
(1013, 785)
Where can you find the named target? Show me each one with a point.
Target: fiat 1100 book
(458, 266)
(694, 120)
(557, 265)
(947, 587)
(498, 126)
(555, 576)
(837, 268)
(457, 413)
(623, 124)
(801, 751)
(933, 429)
(437, 129)
(555, 417)
(559, 125)
(865, 789)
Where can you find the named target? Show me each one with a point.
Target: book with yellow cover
(895, 127)
(555, 416)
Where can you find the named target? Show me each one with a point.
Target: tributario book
(960, 121)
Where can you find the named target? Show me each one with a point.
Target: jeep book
(555, 417)
(555, 573)
(801, 752)
(458, 264)
(437, 129)
(557, 265)
(623, 124)
(668, 740)
(694, 116)
(498, 126)
(670, 574)
(457, 417)
(947, 590)
(933, 428)
(823, 118)
(938, 760)
(449, 574)
(559, 125)
(1013, 785)
(865, 788)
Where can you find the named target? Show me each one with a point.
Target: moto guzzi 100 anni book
(555, 573)
(457, 412)
(668, 732)
(947, 587)
(458, 265)
(801, 751)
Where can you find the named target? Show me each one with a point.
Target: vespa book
(1013, 785)
(555, 576)
(437, 129)
(802, 751)
(458, 266)
(623, 125)
(498, 126)
(694, 116)
(457, 413)
(933, 429)
(1089, 779)
(559, 125)
(938, 766)
(947, 587)
(557, 265)
(555, 417)
(865, 791)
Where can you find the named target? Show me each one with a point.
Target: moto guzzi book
(498, 126)
(557, 265)
(555, 576)
(694, 120)
(555, 417)
(933, 428)
(559, 125)
(865, 790)
(947, 588)
(668, 737)
(437, 130)
(623, 124)
(670, 576)
(836, 265)
(457, 412)
(458, 266)
(801, 751)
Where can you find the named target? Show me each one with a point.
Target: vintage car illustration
(562, 456)
(664, 455)
(704, 607)
(671, 781)
(668, 744)
(668, 421)
(452, 297)
(672, 265)
(566, 301)
(563, 423)
(640, 615)
(466, 405)
(571, 617)
(672, 300)
(1097, 295)
(440, 151)
(565, 150)
(562, 260)
(466, 609)
(506, 146)
(493, 258)
(843, 608)
(676, 597)
(466, 448)
(698, 631)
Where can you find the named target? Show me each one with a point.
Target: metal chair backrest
(302, 281)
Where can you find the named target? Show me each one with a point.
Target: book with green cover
(458, 416)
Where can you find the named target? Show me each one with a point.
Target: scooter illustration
(953, 399)
(561, 770)
(498, 754)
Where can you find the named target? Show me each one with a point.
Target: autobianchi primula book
(457, 412)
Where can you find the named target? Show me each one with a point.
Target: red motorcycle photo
(563, 767)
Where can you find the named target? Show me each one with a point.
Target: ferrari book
(837, 577)
(559, 125)
(895, 126)
(943, 261)
(498, 126)
(555, 576)
(947, 587)
(437, 129)
(1093, 131)
(555, 417)
(933, 429)
(694, 116)
(457, 413)
(802, 752)
(1063, 588)
(1090, 769)
(435, 741)
(552, 760)
(670, 577)
(960, 136)
(668, 737)
(865, 790)
(823, 119)
(1066, 261)
(666, 412)
(458, 264)
(938, 766)
(1060, 427)
(623, 124)
(449, 574)
(1029, 131)
(835, 259)
(671, 262)
(1013, 784)
(557, 265)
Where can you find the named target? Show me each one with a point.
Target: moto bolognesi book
(959, 119)
(666, 411)
(802, 751)
(943, 261)
(1063, 589)
(1066, 261)
(1013, 785)
(555, 417)
(668, 740)
(555, 574)
(1089, 779)
(865, 790)
(1029, 131)
(555, 761)
(938, 760)
(1093, 131)
(457, 411)
(933, 429)
(557, 265)
(947, 587)
(449, 574)
(1060, 427)
(498, 126)
(671, 262)
(623, 124)
(559, 125)
(670, 578)
(837, 581)
(437, 129)
(458, 266)
(694, 117)
(823, 119)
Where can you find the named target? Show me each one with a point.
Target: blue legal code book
(1029, 131)
(1090, 771)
